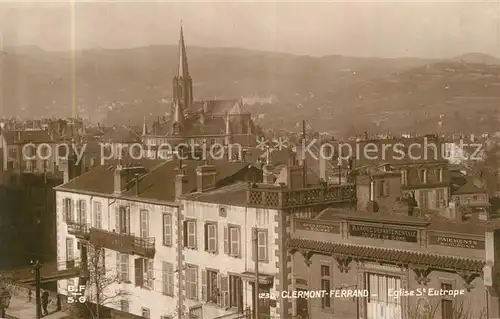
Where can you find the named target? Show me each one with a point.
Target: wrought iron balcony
(123, 243)
(79, 230)
(283, 198)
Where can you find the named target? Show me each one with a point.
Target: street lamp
(4, 302)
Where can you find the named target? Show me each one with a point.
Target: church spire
(182, 83)
(183, 63)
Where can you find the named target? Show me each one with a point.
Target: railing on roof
(282, 197)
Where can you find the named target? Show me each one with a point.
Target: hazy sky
(387, 29)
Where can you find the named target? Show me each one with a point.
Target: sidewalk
(21, 308)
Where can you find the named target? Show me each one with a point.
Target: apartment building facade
(132, 215)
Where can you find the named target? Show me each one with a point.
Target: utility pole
(256, 286)
(37, 294)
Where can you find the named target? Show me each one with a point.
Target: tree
(429, 310)
(101, 284)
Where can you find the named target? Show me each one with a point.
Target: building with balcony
(392, 265)
(132, 213)
(185, 236)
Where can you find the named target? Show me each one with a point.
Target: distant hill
(334, 93)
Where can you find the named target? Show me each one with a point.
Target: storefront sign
(383, 233)
(323, 228)
(456, 242)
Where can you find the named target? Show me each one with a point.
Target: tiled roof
(121, 135)
(392, 256)
(12, 137)
(157, 184)
(234, 194)
(466, 187)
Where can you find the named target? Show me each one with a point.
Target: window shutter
(117, 219)
(262, 241)
(218, 291)
(386, 188)
(215, 240)
(119, 266)
(254, 252)
(84, 212)
(138, 272)
(226, 240)
(204, 285)
(151, 274)
(225, 291)
(185, 230)
(65, 209)
(206, 235)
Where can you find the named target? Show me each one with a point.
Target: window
(446, 303)
(124, 305)
(123, 220)
(262, 244)
(168, 278)
(122, 261)
(423, 176)
(190, 234)
(192, 282)
(440, 200)
(145, 313)
(213, 293)
(144, 273)
(235, 292)
(144, 224)
(68, 209)
(383, 188)
(167, 229)
(211, 237)
(70, 253)
(325, 285)
(232, 241)
(81, 211)
(97, 215)
(424, 199)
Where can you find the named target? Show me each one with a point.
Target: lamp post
(4, 302)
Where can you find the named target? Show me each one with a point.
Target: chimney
(70, 168)
(205, 178)
(124, 176)
(180, 184)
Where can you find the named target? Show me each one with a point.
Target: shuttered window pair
(232, 241)
(122, 265)
(215, 288)
(262, 245)
(211, 237)
(68, 210)
(144, 273)
(190, 239)
(168, 278)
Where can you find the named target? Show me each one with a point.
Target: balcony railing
(123, 243)
(79, 230)
(281, 197)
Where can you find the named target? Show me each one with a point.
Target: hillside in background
(333, 93)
